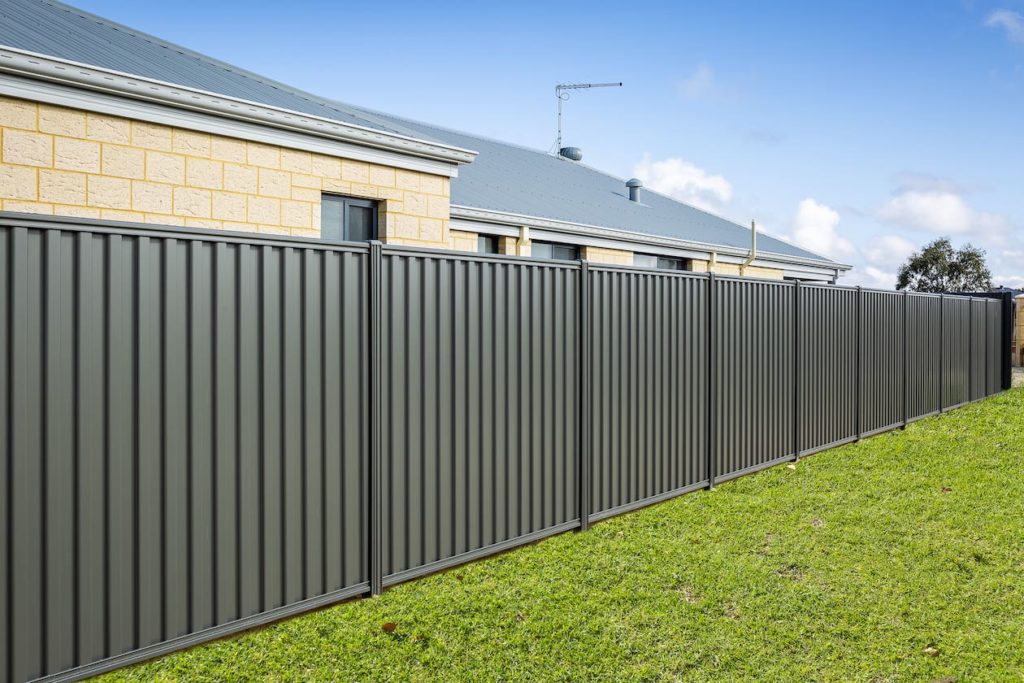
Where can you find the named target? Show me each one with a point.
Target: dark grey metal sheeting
(648, 396)
(480, 386)
(754, 362)
(187, 436)
(827, 367)
(203, 431)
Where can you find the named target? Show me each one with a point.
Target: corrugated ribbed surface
(979, 348)
(828, 366)
(186, 436)
(956, 348)
(480, 403)
(994, 321)
(66, 32)
(753, 374)
(190, 421)
(648, 396)
(882, 336)
(924, 354)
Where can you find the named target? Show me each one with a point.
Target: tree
(941, 268)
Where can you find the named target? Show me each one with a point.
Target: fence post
(859, 364)
(584, 336)
(711, 339)
(906, 369)
(375, 353)
(942, 350)
(796, 370)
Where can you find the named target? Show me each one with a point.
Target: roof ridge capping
(87, 76)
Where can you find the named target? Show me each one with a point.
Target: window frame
(661, 262)
(482, 239)
(554, 245)
(346, 204)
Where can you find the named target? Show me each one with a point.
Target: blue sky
(860, 130)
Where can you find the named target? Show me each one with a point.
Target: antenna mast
(562, 95)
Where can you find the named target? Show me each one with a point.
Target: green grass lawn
(900, 558)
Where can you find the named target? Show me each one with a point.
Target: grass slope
(897, 558)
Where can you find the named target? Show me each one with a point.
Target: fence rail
(201, 432)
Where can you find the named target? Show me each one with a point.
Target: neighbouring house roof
(503, 178)
(518, 180)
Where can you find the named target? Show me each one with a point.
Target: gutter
(84, 76)
(519, 220)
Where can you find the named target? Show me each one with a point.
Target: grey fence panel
(882, 340)
(827, 371)
(994, 321)
(924, 354)
(956, 349)
(979, 364)
(160, 472)
(480, 403)
(202, 432)
(648, 394)
(6, 524)
(753, 381)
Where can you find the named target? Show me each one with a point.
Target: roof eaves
(512, 219)
(44, 67)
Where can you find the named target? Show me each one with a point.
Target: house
(100, 121)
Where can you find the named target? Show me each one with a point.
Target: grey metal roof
(66, 32)
(515, 179)
(504, 177)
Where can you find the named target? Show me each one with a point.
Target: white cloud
(1010, 21)
(700, 84)
(941, 209)
(935, 211)
(870, 276)
(888, 250)
(684, 181)
(815, 228)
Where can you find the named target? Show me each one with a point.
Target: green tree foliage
(941, 268)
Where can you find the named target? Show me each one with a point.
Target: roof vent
(571, 153)
(634, 185)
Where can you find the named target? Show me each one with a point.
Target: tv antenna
(562, 94)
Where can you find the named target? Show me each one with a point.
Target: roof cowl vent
(571, 153)
(634, 185)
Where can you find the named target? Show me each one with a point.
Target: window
(487, 244)
(567, 252)
(348, 219)
(661, 262)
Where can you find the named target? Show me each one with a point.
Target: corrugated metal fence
(201, 432)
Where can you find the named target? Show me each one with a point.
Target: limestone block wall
(602, 255)
(734, 270)
(60, 161)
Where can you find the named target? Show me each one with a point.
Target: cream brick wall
(55, 160)
(462, 241)
(601, 255)
(734, 270)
